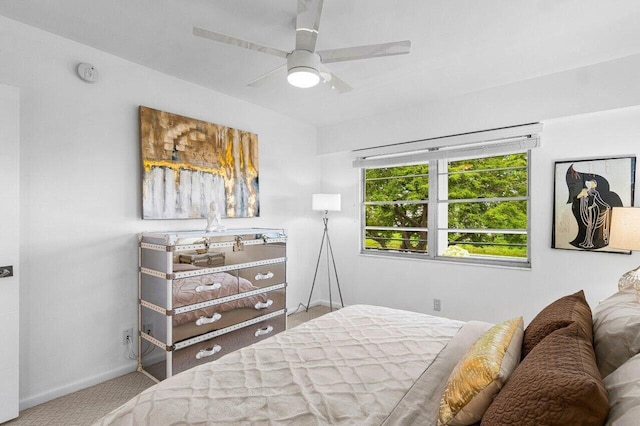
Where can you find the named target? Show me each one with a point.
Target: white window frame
(436, 152)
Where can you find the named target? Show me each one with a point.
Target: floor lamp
(326, 203)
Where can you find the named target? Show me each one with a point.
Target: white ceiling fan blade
(269, 77)
(222, 38)
(307, 24)
(334, 81)
(365, 52)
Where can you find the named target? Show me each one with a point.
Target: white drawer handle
(204, 320)
(264, 305)
(203, 353)
(264, 276)
(209, 287)
(263, 331)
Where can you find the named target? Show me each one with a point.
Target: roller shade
(476, 144)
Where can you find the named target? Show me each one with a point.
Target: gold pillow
(481, 373)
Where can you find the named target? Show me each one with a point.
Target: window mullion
(363, 215)
(483, 200)
(500, 169)
(529, 206)
(432, 215)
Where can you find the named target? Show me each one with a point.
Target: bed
(368, 365)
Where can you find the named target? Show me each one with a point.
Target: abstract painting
(585, 192)
(188, 164)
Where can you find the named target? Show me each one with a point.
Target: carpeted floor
(88, 405)
(300, 315)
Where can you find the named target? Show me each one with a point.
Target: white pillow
(616, 330)
(623, 386)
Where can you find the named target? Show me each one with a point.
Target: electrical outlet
(127, 335)
(147, 328)
(436, 304)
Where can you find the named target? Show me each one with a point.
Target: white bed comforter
(353, 366)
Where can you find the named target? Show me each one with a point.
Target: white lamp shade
(625, 228)
(324, 202)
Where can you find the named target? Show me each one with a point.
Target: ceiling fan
(305, 67)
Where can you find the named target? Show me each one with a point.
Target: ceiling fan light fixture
(302, 68)
(303, 77)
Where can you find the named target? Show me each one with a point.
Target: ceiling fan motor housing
(302, 68)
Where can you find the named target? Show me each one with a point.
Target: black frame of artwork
(577, 181)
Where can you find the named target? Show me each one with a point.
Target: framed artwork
(190, 165)
(585, 191)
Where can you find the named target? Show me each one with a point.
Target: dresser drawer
(255, 253)
(230, 256)
(265, 275)
(200, 321)
(192, 290)
(201, 288)
(212, 349)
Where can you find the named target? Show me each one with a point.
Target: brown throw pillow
(558, 383)
(559, 314)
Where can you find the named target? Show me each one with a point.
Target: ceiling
(458, 47)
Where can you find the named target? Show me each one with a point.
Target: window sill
(466, 261)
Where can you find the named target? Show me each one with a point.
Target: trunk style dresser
(205, 294)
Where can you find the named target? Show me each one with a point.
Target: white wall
(489, 293)
(81, 198)
(598, 87)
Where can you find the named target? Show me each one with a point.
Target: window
(465, 204)
(396, 207)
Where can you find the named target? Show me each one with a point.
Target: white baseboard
(322, 302)
(43, 397)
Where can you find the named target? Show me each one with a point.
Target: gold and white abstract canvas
(188, 164)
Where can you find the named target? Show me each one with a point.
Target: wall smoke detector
(87, 72)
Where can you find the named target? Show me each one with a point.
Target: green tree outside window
(486, 205)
